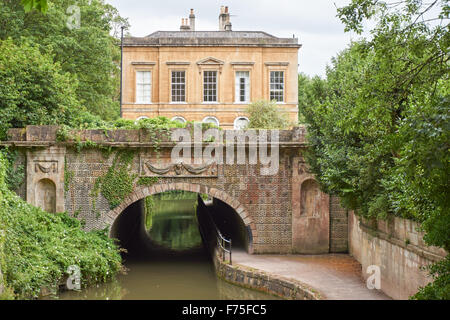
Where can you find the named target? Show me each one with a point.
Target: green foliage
(147, 181)
(266, 115)
(379, 127)
(34, 90)
(15, 173)
(40, 5)
(90, 53)
(439, 289)
(39, 247)
(174, 211)
(117, 183)
(157, 128)
(311, 92)
(149, 208)
(68, 176)
(204, 196)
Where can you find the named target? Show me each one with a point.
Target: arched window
(212, 120)
(179, 119)
(241, 123)
(141, 117)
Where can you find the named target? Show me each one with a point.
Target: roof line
(242, 31)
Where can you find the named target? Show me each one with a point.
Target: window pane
(277, 86)
(242, 91)
(143, 86)
(178, 86)
(210, 86)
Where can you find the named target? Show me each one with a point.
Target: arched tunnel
(167, 253)
(167, 226)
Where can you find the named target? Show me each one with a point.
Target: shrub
(266, 115)
(40, 246)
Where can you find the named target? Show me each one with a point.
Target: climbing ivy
(68, 176)
(147, 181)
(15, 175)
(65, 134)
(149, 207)
(157, 129)
(117, 183)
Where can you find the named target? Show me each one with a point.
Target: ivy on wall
(15, 174)
(68, 176)
(147, 181)
(117, 183)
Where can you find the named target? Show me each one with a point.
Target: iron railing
(222, 245)
(209, 231)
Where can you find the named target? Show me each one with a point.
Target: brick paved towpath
(335, 276)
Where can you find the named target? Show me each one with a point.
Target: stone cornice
(178, 63)
(143, 63)
(237, 63)
(276, 64)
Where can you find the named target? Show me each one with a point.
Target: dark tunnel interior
(170, 228)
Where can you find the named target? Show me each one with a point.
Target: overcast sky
(314, 22)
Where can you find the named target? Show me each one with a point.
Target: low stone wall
(261, 281)
(397, 247)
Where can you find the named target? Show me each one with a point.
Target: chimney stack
(184, 25)
(224, 19)
(192, 20)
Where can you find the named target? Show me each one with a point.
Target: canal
(165, 257)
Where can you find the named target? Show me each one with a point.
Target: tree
(34, 90)
(40, 5)
(380, 138)
(311, 91)
(89, 51)
(266, 115)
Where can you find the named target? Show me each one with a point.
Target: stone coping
(247, 277)
(47, 135)
(388, 231)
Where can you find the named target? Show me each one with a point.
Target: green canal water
(174, 267)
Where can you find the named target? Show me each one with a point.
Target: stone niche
(310, 213)
(45, 178)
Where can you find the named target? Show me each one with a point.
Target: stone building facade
(208, 76)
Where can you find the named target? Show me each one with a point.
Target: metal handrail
(222, 242)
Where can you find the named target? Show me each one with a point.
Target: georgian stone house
(208, 76)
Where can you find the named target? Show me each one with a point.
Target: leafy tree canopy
(34, 90)
(379, 126)
(89, 51)
(40, 5)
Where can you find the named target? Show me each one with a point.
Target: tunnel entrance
(166, 256)
(167, 225)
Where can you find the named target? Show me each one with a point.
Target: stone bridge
(95, 175)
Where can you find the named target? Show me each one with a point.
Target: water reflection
(171, 222)
(166, 281)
